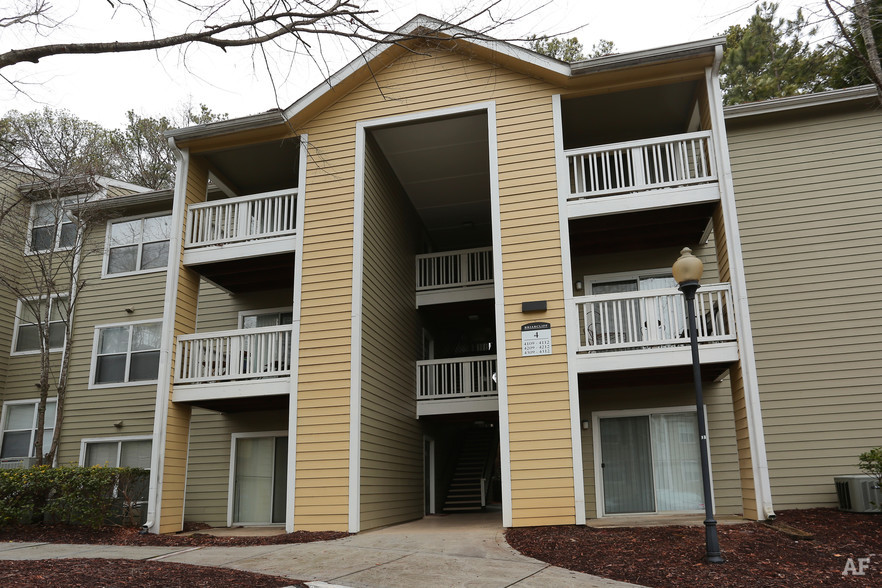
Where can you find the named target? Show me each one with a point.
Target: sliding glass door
(650, 463)
(260, 480)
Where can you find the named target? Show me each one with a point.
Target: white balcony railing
(635, 166)
(653, 318)
(456, 378)
(451, 269)
(264, 352)
(246, 218)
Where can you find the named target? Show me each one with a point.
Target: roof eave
(648, 56)
(775, 105)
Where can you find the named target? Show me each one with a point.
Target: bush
(870, 463)
(71, 494)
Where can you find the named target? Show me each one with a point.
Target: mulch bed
(130, 536)
(757, 555)
(124, 573)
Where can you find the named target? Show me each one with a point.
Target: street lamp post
(687, 272)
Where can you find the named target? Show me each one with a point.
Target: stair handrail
(487, 473)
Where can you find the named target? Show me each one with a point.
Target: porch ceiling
(253, 403)
(252, 274)
(444, 167)
(681, 374)
(678, 226)
(258, 168)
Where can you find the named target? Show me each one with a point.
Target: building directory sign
(535, 339)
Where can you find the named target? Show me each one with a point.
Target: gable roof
(423, 27)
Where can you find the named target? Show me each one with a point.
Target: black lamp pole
(688, 286)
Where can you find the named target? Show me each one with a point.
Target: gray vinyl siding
(92, 413)
(219, 310)
(807, 188)
(391, 439)
(721, 434)
(11, 252)
(208, 463)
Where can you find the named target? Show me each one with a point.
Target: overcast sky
(103, 88)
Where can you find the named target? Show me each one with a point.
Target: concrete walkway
(454, 550)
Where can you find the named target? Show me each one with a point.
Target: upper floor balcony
(236, 228)
(639, 175)
(244, 243)
(456, 385)
(454, 276)
(231, 365)
(649, 328)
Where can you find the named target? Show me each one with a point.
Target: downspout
(739, 291)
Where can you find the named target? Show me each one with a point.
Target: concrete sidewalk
(456, 550)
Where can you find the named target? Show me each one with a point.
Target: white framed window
(116, 452)
(125, 354)
(119, 452)
(267, 317)
(137, 245)
(51, 227)
(19, 427)
(26, 330)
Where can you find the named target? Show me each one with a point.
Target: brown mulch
(128, 573)
(130, 536)
(757, 555)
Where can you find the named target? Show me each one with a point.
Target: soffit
(444, 167)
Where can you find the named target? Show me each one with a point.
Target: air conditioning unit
(16, 463)
(858, 493)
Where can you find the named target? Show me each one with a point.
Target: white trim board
(295, 335)
(738, 281)
(571, 317)
(166, 350)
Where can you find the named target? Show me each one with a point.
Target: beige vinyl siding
(208, 467)
(178, 421)
(530, 222)
(528, 191)
(92, 413)
(11, 250)
(391, 438)
(807, 188)
(721, 434)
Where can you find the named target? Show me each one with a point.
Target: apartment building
(441, 280)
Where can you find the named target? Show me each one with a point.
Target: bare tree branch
(261, 22)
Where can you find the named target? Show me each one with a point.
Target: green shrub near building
(74, 495)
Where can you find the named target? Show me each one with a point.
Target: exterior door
(650, 463)
(260, 480)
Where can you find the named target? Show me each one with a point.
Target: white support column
(571, 316)
(295, 338)
(739, 292)
(163, 387)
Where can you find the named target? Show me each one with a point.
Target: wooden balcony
(454, 276)
(644, 174)
(240, 228)
(447, 386)
(233, 364)
(632, 330)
